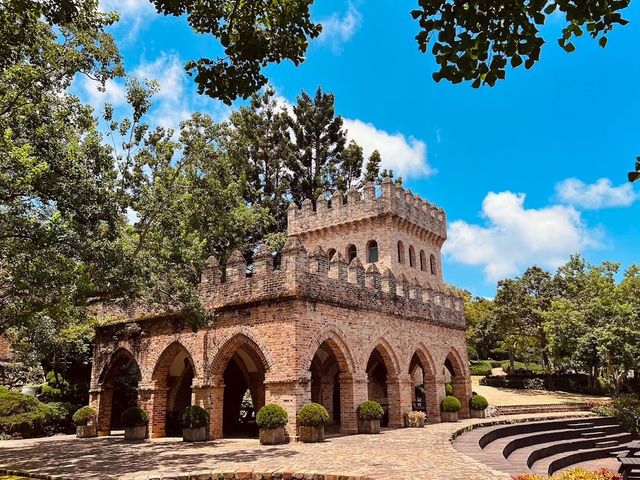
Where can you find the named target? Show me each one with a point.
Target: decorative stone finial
(236, 257)
(212, 263)
(262, 252)
(293, 244)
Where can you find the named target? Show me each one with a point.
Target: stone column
(153, 400)
(100, 399)
(291, 395)
(439, 393)
(462, 390)
(326, 394)
(399, 399)
(353, 392)
(433, 399)
(210, 396)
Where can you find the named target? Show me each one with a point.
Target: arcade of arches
(240, 378)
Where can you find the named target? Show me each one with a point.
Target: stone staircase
(545, 447)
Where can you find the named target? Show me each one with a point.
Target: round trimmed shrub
(84, 416)
(370, 411)
(451, 404)
(313, 415)
(271, 417)
(134, 417)
(449, 389)
(194, 417)
(478, 402)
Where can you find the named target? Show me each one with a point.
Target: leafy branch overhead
(475, 40)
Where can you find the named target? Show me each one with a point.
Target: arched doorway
(244, 392)
(455, 374)
(119, 381)
(424, 394)
(418, 382)
(377, 388)
(173, 376)
(325, 383)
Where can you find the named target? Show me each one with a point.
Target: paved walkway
(425, 453)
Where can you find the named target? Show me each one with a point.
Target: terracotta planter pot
(86, 431)
(135, 433)
(449, 416)
(415, 422)
(311, 434)
(478, 413)
(368, 426)
(273, 436)
(194, 434)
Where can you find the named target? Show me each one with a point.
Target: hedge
(572, 383)
(482, 368)
(84, 416)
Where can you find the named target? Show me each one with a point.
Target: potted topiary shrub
(478, 406)
(450, 408)
(135, 421)
(195, 421)
(369, 416)
(272, 419)
(85, 420)
(311, 419)
(416, 419)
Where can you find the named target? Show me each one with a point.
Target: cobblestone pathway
(425, 453)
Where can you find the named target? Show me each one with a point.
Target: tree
(319, 142)
(372, 169)
(474, 41)
(252, 34)
(633, 176)
(350, 167)
(481, 325)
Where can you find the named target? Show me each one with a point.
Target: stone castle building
(357, 310)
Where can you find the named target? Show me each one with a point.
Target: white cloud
(132, 13)
(337, 30)
(601, 194)
(114, 92)
(514, 238)
(406, 156)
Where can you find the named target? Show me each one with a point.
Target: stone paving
(425, 453)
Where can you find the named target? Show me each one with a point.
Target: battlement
(393, 201)
(311, 276)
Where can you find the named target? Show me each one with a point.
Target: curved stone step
(552, 464)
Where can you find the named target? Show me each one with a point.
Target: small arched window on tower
(372, 251)
(412, 256)
(352, 252)
(434, 268)
(423, 261)
(330, 253)
(400, 252)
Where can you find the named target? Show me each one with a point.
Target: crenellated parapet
(394, 201)
(312, 277)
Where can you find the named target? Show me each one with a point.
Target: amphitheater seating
(544, 447)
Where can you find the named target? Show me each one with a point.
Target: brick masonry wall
(5, 349)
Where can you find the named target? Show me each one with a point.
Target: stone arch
(168, 354)
(460, 380)
(423, 261)
(383, 381)
(412, 256)
(433, 266)
(103, 400)
(400, 252)
(386, 351)
(335, 337)
(351, 252)
(373, 253)
(428, 399)
(231, 345)
(456, 362)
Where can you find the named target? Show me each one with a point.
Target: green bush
(495, 363)
(483, 369)
(84, 416)
(473, 353)
(29, 417)
(533, 384)
(272, 416)
(194, 417)
(313, 415)
(516, 366)
(54, 388)
(370, 411)
(535, 367)
(134, 417)
(449, 389)
(478, 402)
(451, 404)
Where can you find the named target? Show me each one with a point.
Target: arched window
(423, 261)
(352, 252)
(400, 252)
(372, 251)
(434, 268)
(330, 253)
(412, 256)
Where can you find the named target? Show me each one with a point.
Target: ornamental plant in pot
(478, 406)
(135, 421)
(369, 415)
(450, 408)
(416, 419)
(85, 420)
(272, 419)
(311, 420)
(195, 421)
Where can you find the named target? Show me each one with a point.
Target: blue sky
(529, 171)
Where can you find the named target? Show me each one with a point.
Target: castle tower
(396, 230)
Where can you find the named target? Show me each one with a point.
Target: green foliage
(134, 417)
(194, 416)
(448, 389)
(272, 416)
(481, 368)
(54, 388)
(516, 366)
(451, 404)
(370, 410)
(626, 410)
(313, 415)
(635, 175)
(26, 415)
(85, 416)
(478, 402)
(476, 42)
